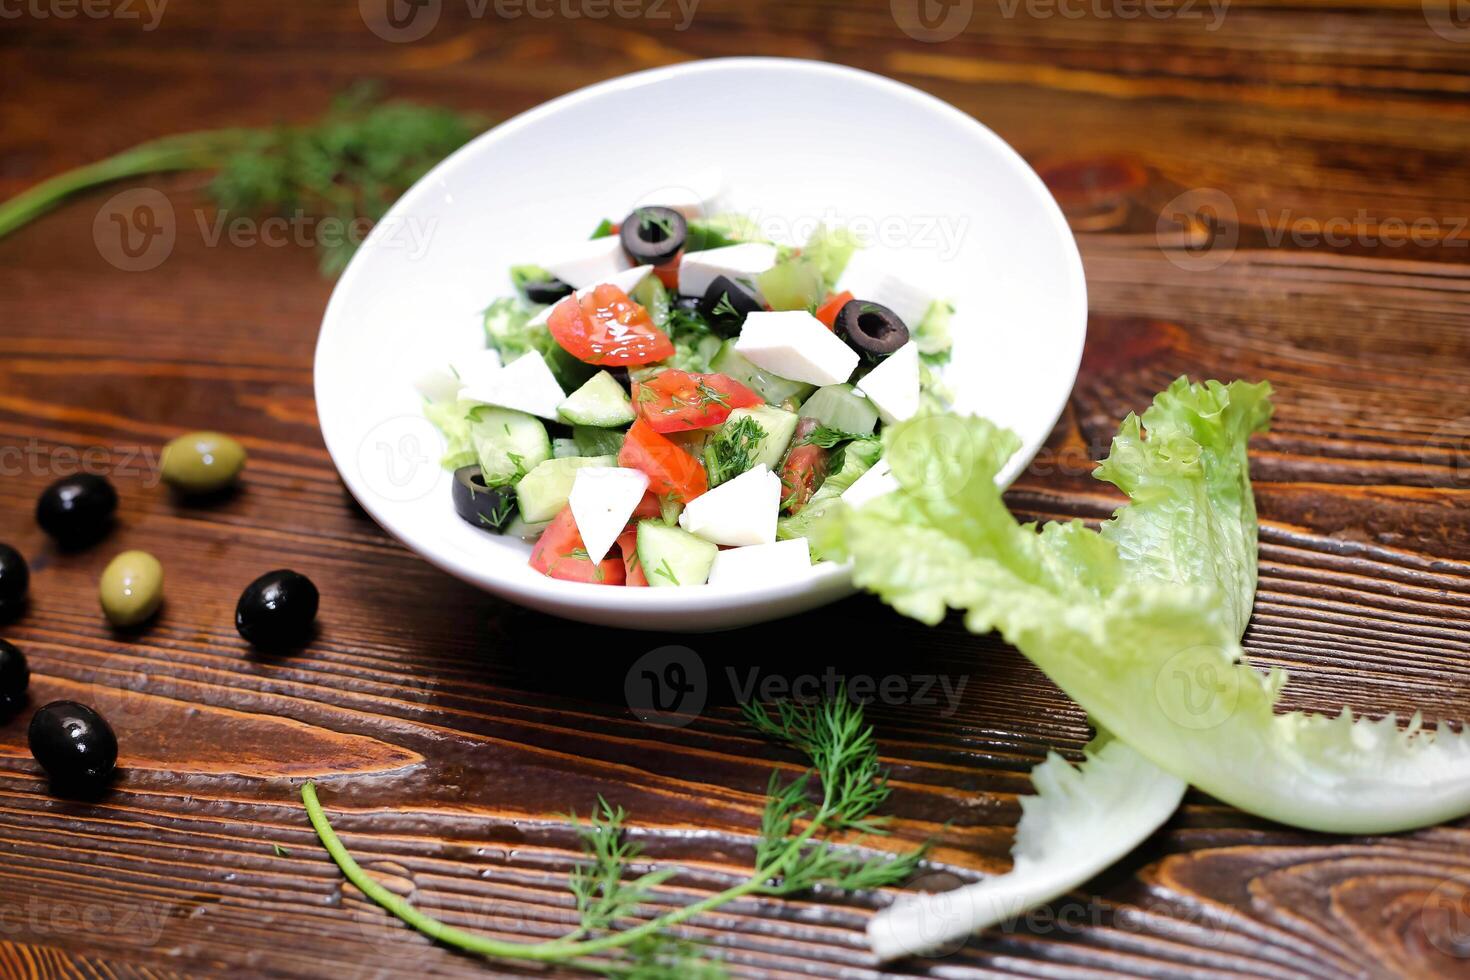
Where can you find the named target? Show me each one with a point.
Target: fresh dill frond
(733, 449)
(826, 437)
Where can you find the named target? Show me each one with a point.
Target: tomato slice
(628, 544)
(670, 469)
(606, 327)
(674, 401)
(803, 470)
(561, 554)
(650, 508)
(828, 311)
(668, 273)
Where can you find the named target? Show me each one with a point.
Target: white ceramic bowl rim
(830, 580)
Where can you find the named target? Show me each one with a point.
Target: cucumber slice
(543, 492)
(594, 441)
(564, 448)
(840, 407)
(773, 388)
(795, 284)
(672, 556)
(653, 297)
(601, 401)
(509, 444)
(779, 426)
(518, 528)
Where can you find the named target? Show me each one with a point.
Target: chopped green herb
(733, 449)
(663, 571)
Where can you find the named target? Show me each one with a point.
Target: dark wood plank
(447, 746)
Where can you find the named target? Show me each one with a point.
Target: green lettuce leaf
(1140, 622)
(452, 419)
(830, 249)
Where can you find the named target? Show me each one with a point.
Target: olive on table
(654, 235)
(202, 462)
(547, 290)
(874, 331)
(15, 677)
(131, 588)
(77, 510)
(74, 744)
(486, 507)
(277, 610)
(15, 581)
(726, 304)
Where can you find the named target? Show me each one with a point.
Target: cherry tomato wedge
(628, 544)
(668, 273)
(828, 311)
(606, 327)
(561, 554)
(674, 401)
(803, 470)
(670, 469)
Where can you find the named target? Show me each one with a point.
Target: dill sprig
(840, 792)
(733, 450)
(350, 164)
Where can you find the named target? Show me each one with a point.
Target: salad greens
(851, 461)
(840, 792)
(1140, 622)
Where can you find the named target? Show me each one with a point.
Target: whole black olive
(15, 677)
(872, 330)
(15, 581)
(74, 744)
(486, 507)
(547, 291)
(77, 510)
(277, 610)
(653, 236)
(726, 304)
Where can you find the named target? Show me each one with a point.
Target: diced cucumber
(518, 528)
(564, 448)
(778, 425)
(670, 507)
(594, 441)
(795, 284)
(840, 407)
(543, 492)
(601, 401)
(653, 297)
(773, 388)
(509, 444)
(569, 372)
(672, 556)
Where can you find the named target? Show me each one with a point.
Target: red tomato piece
(650, 508)
(606, 327)
(628, 544)
(803, 470)
(674, 401)
(828, 311)
(670, 469)
(561, 554)
(668, 273)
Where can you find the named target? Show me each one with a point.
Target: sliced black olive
(15, 581)
(488, 508)
(726, 304)
(872, 330)
(74, 744)
(15, 677)
(547, 291)
(653, 236)
(77, 510)
(276, 611)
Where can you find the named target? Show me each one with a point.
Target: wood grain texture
(448, 731)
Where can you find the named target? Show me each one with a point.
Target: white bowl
(949, 204)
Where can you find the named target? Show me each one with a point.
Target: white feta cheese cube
(743, 263)
(476, 368)
(603, 498)
(626, 281)
(438, 385)
(893, 386)
(761, 564)
(591, 262)
(742, 511)
(868, 279)
(525, 384)
(876, 482)
(795, 345)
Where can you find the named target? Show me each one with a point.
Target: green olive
(131, 588)
(202, 462)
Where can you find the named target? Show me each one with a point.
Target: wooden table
(1321, 151)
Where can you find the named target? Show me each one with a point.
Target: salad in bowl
(672, 401)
